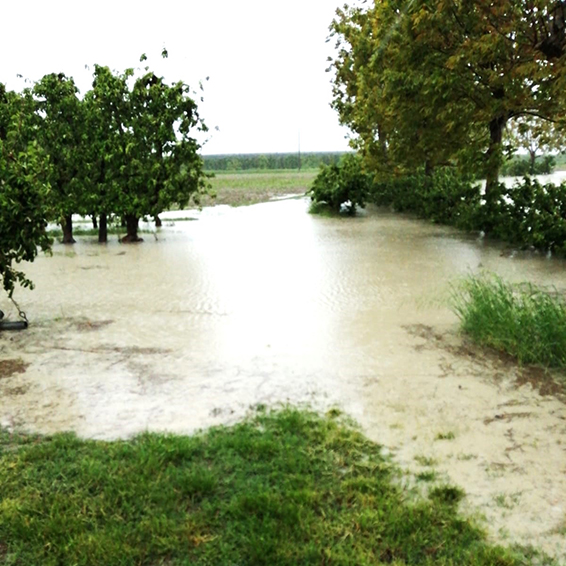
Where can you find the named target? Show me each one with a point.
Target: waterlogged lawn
(245, 188)
(287, 487)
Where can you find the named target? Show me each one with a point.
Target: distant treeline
(247, 161)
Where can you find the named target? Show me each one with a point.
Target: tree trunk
(533, 156)
(493, 155)
(67, 227)
(103, 229)
(132, 229)
(94, 222)
(493, 164)
(428, 168)
(158, 222)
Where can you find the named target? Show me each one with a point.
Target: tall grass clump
(524, 320)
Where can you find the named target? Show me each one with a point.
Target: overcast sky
(266, 60)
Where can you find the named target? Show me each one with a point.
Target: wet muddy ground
(268, 304)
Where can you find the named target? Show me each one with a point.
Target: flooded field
(268, 304)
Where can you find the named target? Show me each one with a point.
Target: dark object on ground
(12, 325)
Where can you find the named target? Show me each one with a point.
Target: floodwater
(266, 304)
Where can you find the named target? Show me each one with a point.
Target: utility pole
(299, 151)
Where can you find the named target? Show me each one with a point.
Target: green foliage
(340, 186)
(433, 82)
(282, 488)
(59, 130)
(443, 197)
(24, 194)
(527, 214)
(525, 321)
(143, 156)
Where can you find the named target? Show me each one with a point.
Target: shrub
(528, 214)
(444, 197)
(341, 187)
(531, 215)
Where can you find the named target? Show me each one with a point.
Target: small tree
(60, 132)
(163, 156)
(106, 110)
(143, 155)
(23, 191)
(536, 136)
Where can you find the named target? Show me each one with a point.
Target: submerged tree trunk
(67, 227)
(103, 229)
(132, 229)
(158, 222)
(94, 222)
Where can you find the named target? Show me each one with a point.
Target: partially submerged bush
(531, 215)
(445, 197)
(525, 321)
(341, 187)
(528, 213)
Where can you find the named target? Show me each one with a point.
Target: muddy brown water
(268, 304)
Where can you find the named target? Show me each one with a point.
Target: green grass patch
(524, 320)
(282, 488)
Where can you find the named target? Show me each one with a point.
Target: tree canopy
(427, 82)
(24, 193)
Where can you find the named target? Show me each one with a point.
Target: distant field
(243, 188)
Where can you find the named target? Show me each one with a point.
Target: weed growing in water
(523, 320)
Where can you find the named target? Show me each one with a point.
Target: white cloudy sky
(266, 60)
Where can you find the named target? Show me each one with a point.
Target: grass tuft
(522, 320)
(445, 436)
(281, 488)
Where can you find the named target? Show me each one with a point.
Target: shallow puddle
(268, 304)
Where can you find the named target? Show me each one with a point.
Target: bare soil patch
(90, 325)
(545, 381)
(10, 367)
